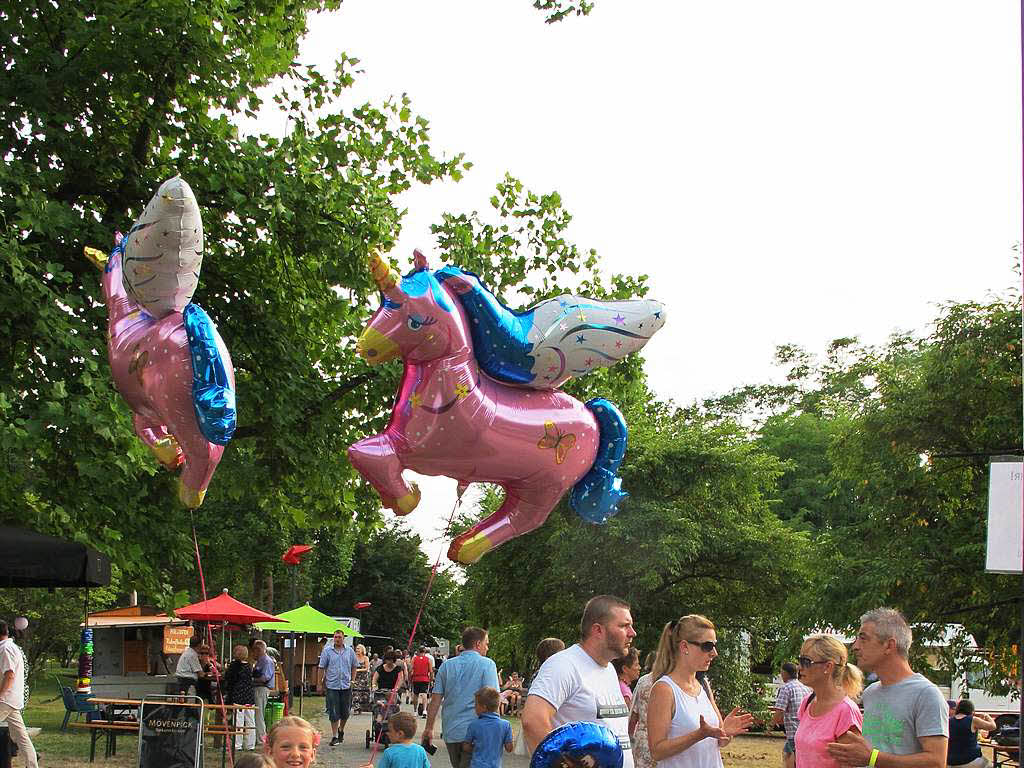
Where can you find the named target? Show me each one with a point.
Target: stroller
(361, 692)
(380, 713)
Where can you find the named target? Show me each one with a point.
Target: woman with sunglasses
(685, 729)
(829, 713)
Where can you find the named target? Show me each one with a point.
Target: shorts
(184, 683)
(420, 686)
(789, 748)
(339, 703)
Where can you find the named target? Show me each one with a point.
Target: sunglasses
(807, 662)
(707, 646)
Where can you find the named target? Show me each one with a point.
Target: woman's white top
(705, 753)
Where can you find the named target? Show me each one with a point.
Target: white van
(970, 684)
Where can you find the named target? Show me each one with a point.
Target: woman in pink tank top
(830, 713)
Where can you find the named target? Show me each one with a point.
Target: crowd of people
(247, 680)
(668, 717)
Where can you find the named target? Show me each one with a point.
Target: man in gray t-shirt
(904, 714)
(898, 716)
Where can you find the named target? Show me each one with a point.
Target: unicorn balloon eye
(479, 402)
(415, 323)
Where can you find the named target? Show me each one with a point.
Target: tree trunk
(258, 577)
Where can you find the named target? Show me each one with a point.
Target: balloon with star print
(479, 398)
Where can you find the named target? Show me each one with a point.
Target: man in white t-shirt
(12, 695)
(579, 684)
(189, 668)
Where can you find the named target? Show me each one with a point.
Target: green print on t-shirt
(882, 728)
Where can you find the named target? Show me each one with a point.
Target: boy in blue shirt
(402, 753)
(488, 733)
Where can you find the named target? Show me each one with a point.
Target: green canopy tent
(305, 620)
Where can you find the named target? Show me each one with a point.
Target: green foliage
(732, 681)
(390, 571)
(87, 135)
(696, 536)
(915, 452)
(886, 453)
(557, 10)
(525, 251)
(54, 618)
(100, 103)
(510, 650)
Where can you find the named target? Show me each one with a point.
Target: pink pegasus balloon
(176, 376)
(452, 418)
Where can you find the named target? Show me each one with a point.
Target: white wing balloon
(163, 252)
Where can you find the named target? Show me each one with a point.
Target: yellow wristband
(874, 757)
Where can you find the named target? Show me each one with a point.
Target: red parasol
(224, 608)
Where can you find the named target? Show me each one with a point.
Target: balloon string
(209, 636)
(416, 623)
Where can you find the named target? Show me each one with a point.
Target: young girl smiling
(292, 743)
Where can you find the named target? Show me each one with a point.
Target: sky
(784, 171)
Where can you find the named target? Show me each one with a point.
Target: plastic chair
(72, 705)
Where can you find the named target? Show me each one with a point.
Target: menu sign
(176, 639)
(170, 734)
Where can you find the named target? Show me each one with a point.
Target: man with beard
(579, 684)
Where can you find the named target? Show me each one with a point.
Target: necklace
(689, 687)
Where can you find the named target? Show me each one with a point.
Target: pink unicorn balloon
(176, 376)
(466, 406)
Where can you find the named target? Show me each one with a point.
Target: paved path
(353, 753)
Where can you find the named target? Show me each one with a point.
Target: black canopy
(30, 559)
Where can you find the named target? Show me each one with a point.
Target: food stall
(135, 651)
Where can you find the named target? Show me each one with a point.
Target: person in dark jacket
(238, 690)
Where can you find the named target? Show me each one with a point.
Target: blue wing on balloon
(212, 395)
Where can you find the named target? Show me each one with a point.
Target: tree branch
(310, 411)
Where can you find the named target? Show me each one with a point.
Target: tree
(54, 618)
(102, 101)
(559, 9)
(697, 535)
(886, 452)
(915, 452)
(390, 571)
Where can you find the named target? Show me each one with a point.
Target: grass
(753, 750)
(56, 748)
(71, 749)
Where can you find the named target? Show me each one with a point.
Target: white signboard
(1005, 553)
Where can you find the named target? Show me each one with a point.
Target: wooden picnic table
(121, 715)
(1001, 755)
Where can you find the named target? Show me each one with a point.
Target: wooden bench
(110, 729)
(107, 728)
